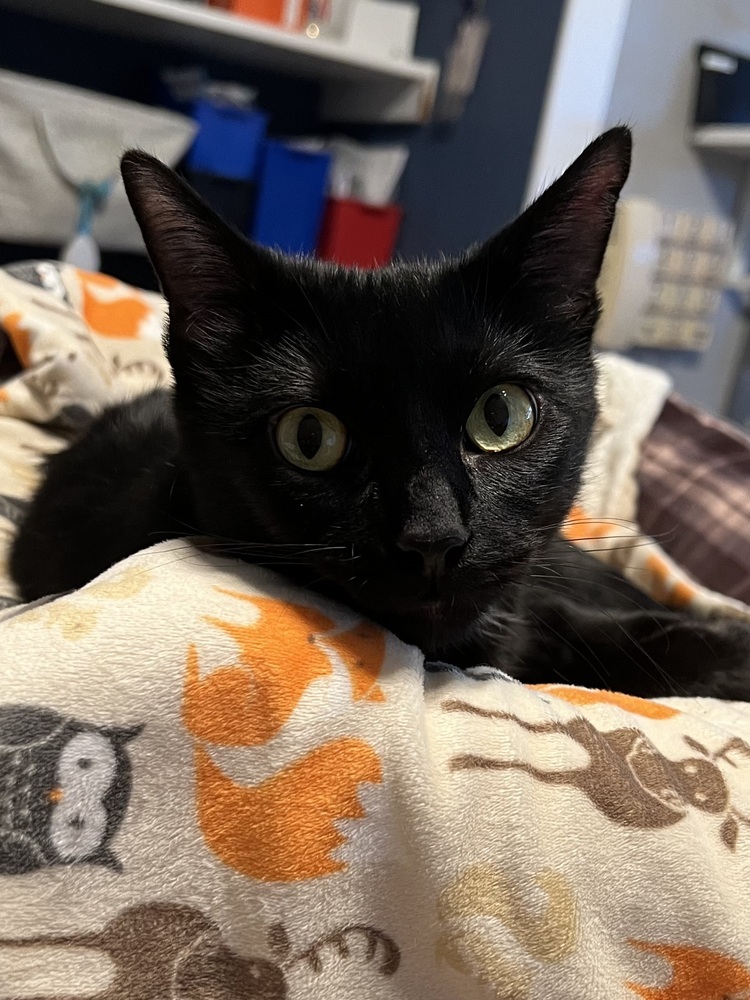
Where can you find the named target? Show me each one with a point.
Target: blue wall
(465, 181)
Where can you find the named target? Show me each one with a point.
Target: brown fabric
(694, 499)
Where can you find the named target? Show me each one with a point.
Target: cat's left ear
(548, 260)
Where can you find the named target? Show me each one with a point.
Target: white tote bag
(56, 139)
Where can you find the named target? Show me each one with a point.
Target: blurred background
(357, 130)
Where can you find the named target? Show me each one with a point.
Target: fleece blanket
(215, 786)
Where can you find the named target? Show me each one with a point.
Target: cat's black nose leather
(433, 554)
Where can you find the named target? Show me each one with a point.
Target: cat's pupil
(309, 435)
(496, 414)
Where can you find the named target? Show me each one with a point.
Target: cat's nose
(434, 553)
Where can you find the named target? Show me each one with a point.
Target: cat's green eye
(502, 418)
(311, 439)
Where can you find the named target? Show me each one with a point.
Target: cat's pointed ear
(549, 258)
(201, 263)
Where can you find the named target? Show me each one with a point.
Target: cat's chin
(461, 631)
(464, 625)
(433, 624)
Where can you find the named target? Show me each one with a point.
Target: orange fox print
(627, 702)
(697, 974)
(285, 828)
(110, 308)
(18, 333)
(280, 655)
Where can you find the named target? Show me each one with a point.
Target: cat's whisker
(634, 526)
(660, 671)
(193, 552)
(573, 521)
(205, 540)
(275, 559)
(563, 580)
(595, 666)
(629, 541)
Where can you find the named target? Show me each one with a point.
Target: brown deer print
(627, 778)
(166, 951)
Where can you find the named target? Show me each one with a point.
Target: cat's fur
(400, 356)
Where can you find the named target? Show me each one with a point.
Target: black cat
(408, 440)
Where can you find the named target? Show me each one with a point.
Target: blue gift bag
(291, 197)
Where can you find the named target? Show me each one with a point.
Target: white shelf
(732, 139)
(357, 86)
(735, 141)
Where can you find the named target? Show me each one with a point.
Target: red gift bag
(357, 234)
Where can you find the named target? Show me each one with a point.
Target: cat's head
(409, 437)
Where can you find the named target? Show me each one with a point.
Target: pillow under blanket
(216, 786)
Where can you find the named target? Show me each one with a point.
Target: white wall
(579, 87)
(653, 91)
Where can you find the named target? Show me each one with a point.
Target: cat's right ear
(549, 259)
(202, 265)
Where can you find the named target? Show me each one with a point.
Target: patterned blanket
(214, 786)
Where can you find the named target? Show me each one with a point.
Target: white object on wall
(662, 277)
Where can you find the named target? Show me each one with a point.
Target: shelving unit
(356, 86)
(731, 139)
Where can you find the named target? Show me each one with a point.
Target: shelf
(731, 139)
(356, 86)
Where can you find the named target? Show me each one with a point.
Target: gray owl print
(64, 789)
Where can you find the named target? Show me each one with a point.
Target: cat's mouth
(442, 629)
(440, 624)
(441, 616)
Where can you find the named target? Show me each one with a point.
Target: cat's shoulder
(147, 417)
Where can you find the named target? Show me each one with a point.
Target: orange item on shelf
(273, 11)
